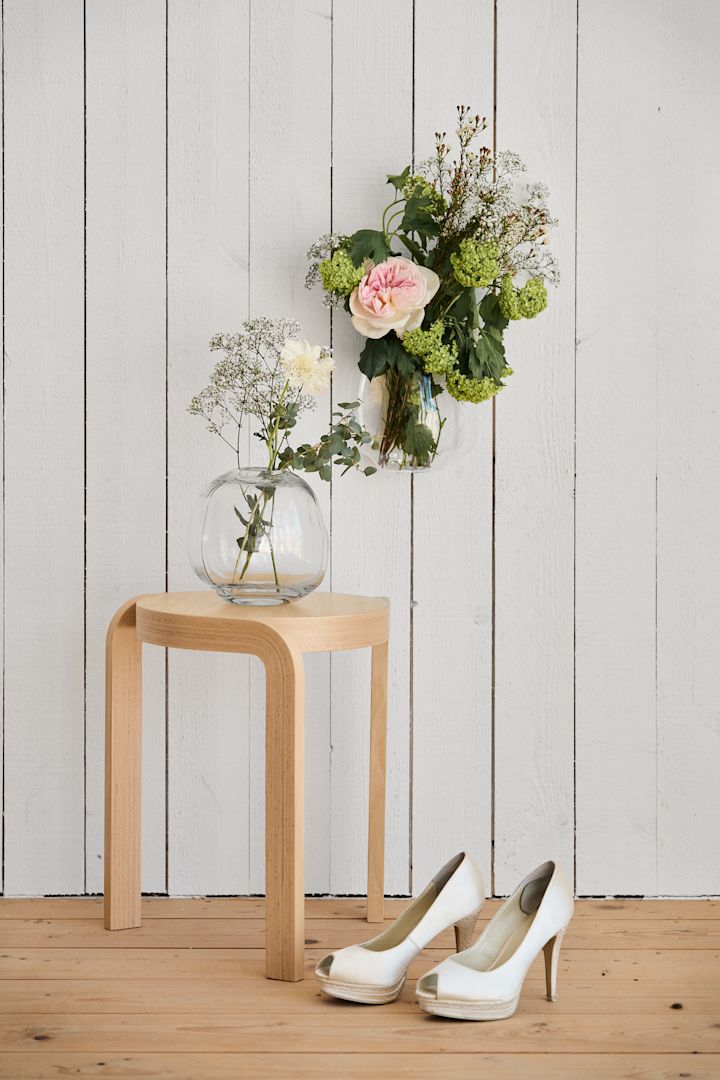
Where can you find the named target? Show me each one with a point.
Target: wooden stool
(321, 622)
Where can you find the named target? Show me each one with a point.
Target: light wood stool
(321, 622)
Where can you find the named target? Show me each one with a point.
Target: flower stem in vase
(398, 392)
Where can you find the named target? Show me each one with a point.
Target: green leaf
(418, 217)
(368, 244)
(415, 250)
(369, 470)
(325, 472)
(487, 358)
(418, 442)
(490, 312)
(399, 181)
(386, 353)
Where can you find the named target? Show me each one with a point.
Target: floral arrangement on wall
(461, 252)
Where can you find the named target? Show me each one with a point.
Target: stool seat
(279, 636)
(320, 622)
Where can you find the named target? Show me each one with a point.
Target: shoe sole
(363, 995)
(469, 1010)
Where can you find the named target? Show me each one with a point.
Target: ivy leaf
(488, 355)
(368, 244)
(418, 442)
(418, 217)
(490, 311)
(382, 354)
(399, 181)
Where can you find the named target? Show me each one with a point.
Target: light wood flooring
(185, 998)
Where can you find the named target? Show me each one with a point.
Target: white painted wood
(282, 120)
(44, 721)
(289, 208)
(452, 537)
(125, 483)
(372, 135)
(2, 516)
(208, 763)
(687, 154)
(534, 480)
(619, 297)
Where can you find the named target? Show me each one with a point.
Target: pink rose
(392, 296)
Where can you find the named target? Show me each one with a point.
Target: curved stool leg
(123, 707)
(378, 758)
(284, 813)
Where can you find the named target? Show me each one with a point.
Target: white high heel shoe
(374, 972)
(484, 982)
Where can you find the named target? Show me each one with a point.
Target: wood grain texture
(44, 459)
(123, 756)
(534, 512)
(208, 100)
(410, 1066)
(688, 465)
(452, 513)
(290, 168)
(125, 546)
(370, 516)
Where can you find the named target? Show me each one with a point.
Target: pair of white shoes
(481, 981)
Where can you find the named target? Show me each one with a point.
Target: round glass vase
(257, 537)
(390, 406)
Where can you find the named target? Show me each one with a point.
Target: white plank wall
(452, 567)
(125, 383)
(44, 747)
(535, 469)
(555, 685)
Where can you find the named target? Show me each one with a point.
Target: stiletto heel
(484, 981)
(552, 956)
(464, 930)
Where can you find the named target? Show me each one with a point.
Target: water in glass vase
(402, 415)
(257, 537)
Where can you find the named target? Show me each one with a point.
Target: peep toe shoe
(484, 981)
(374, 972)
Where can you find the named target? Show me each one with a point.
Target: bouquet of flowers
(460, 253)
(267, 378)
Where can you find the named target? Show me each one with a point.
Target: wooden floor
(185, 998)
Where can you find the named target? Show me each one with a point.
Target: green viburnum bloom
(524, 303)
(532, 298)
(476, 263)
(508, 299)
(463, 388)
(422, 342)
(438, 359)
(417, 187)
(339, 274)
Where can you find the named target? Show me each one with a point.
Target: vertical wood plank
(372, 65)
(534, 512)
(619, 297)
(2, 466)
(44, 734)
(208, 89)
(688, 524)
(125, 485)
(452, 538)
(289, 208)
